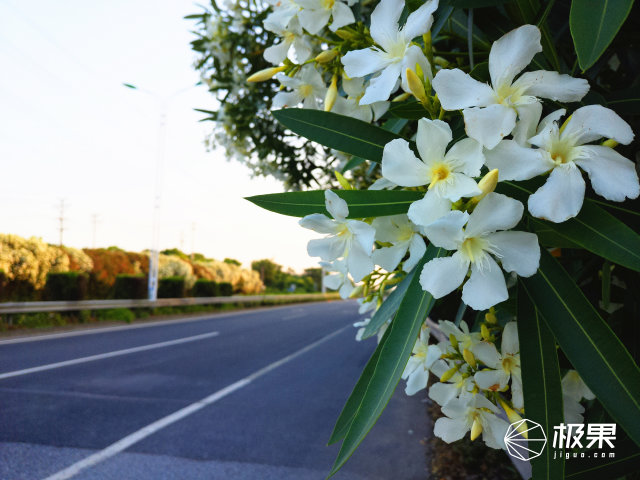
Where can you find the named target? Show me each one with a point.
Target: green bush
(130, 287)
(66, 286)
(225, 289)
(40, 319)
(171, 287)
(115, 315)
(205, 288)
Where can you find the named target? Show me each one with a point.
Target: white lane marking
(209, 316)
(152, 428)
(101, 356)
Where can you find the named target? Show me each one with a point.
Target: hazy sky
(70, 130)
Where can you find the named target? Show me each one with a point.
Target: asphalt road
(248, 395)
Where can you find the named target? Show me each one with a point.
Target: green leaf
(393, 358)
(342, 133)
(362, 203)
(625, 102)
(458, 24)
(593, 349)
(594, 24)
(353, 402)
(626, 460)
(593, 229)
(389, 307)
(412, 110)
(540, 382)
(353, 163)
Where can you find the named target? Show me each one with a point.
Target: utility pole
(61, 219)
(154, 254)
(193, 239)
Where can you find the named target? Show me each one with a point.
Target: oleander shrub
(225, 289)
(172, 287)
(66, 286)
(204, 288)
(130, 287)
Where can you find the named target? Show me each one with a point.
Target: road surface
(247, 395)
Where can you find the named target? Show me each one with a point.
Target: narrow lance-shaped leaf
(394, 355)
(626, 460)
(593, 229)
(362, 203)
(353, 402)
(595, 351)
(541, 383)
(340, 132)
(594, 24)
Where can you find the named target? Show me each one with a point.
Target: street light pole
(154, 256)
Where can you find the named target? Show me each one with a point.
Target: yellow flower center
(560, 152)
(508, 363)
(507, 95)
(306, 90)
(473, 248)
(328, 4)
(439, 172)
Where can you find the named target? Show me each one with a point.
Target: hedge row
(73, 286)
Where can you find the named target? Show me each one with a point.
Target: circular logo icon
(525, 439)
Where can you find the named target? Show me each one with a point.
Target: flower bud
(513, 417)
(416, 86)
(453, 340)
(469, 358)
(486, 336)
(332, 94)
(446, 376)
(490, 316)
(326, 56)
(344, 34)
(476, 429)
(402, 97)
(356, 292)
(265, 74)
(486, 185)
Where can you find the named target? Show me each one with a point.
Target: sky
(69, 130)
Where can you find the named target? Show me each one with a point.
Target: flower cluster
(479, 387)
(472, 136)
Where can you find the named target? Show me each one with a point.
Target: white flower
(505, 365)
(338, 278)
(402, 234)
(307, 87)
(447, 174)
(574, 387)
(463, 336)
(291, 36)
(573, 391)
(475, 246)
(562, 151)
(416, 373)
(315, 14)
(490, 111)
(283, 12)
(350, 106)
(475, 413)
(394, 52)
(351, 239)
